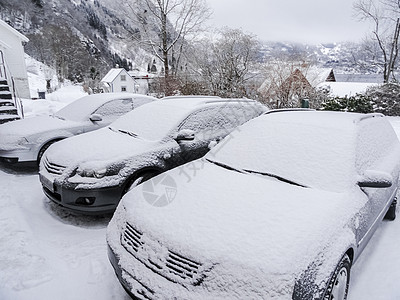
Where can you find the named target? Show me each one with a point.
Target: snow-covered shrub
(359, 103)
(385, 98)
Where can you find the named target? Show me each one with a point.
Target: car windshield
(152, 121)
(78, 110)
(310, 155)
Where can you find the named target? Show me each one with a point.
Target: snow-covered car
(26, 140)
(280, 209)
(90, 173)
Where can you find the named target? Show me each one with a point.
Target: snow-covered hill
(344, 58)
(92, 33)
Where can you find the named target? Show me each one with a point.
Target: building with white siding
(12, 59)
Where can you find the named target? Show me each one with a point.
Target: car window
(220, 119)
(375, 140)
(235, 114)
(205, 119)
(114, 108)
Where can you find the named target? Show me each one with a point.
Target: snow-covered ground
(53, 102)
(62, 94)
(47, 253)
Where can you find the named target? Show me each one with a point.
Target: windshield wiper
(128, 133)
(277, 177)
(224, 166)
(58, 117)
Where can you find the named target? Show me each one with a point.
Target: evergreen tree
(386, 98)
(358, 103)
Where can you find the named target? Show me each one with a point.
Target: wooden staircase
(8, 111)
(10, 104)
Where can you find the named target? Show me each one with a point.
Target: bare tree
(227, 64)
(385, 16)
(174, 22)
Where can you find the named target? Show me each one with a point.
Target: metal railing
(4, 70)
(3, 73)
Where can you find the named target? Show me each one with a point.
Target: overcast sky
(307, 21)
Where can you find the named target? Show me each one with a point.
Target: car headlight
(11, 142)
(96, 173)
(23, 141)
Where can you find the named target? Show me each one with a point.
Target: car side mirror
(185, 135)
(96, 118)
(375, 179)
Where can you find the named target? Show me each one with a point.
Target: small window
(123, 77)
(123, 88)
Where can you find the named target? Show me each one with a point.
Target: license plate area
(47, 183)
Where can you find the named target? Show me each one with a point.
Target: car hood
(247, 219)
(32, 126)
(100, 147)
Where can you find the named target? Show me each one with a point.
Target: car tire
(391, 213)
(138, 179)
(339, 284)
(43, 149)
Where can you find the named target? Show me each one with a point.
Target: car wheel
(339, 284)
(138, 179)
(43, 149)
(391, 213)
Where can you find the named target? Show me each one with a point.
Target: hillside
(345, 58)
(83, 39)
(78, 37)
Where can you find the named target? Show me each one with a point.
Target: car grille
(53, 168)
(171, 266)
(181, 266)
(132, 238)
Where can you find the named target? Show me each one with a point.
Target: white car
(90, 173)
(26, 140)
(280, 209)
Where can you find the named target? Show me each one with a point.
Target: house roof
(140, 74)
(343, 89)
(367, 78)
(12, 30)
(316, 75)
(112, 74)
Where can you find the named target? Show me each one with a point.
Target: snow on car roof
(320, 118)
(193, 101)
(86, 105)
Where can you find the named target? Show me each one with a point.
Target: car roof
(105, 97)
(92, 102)
(319, 118)
(198, 101)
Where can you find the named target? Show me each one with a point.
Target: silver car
(280, 209)
(90, 173)
(26, 140)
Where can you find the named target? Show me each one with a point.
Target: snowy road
(48, 254)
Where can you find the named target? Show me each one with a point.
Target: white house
(143, 81)
(118, 80)
(12, 59)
